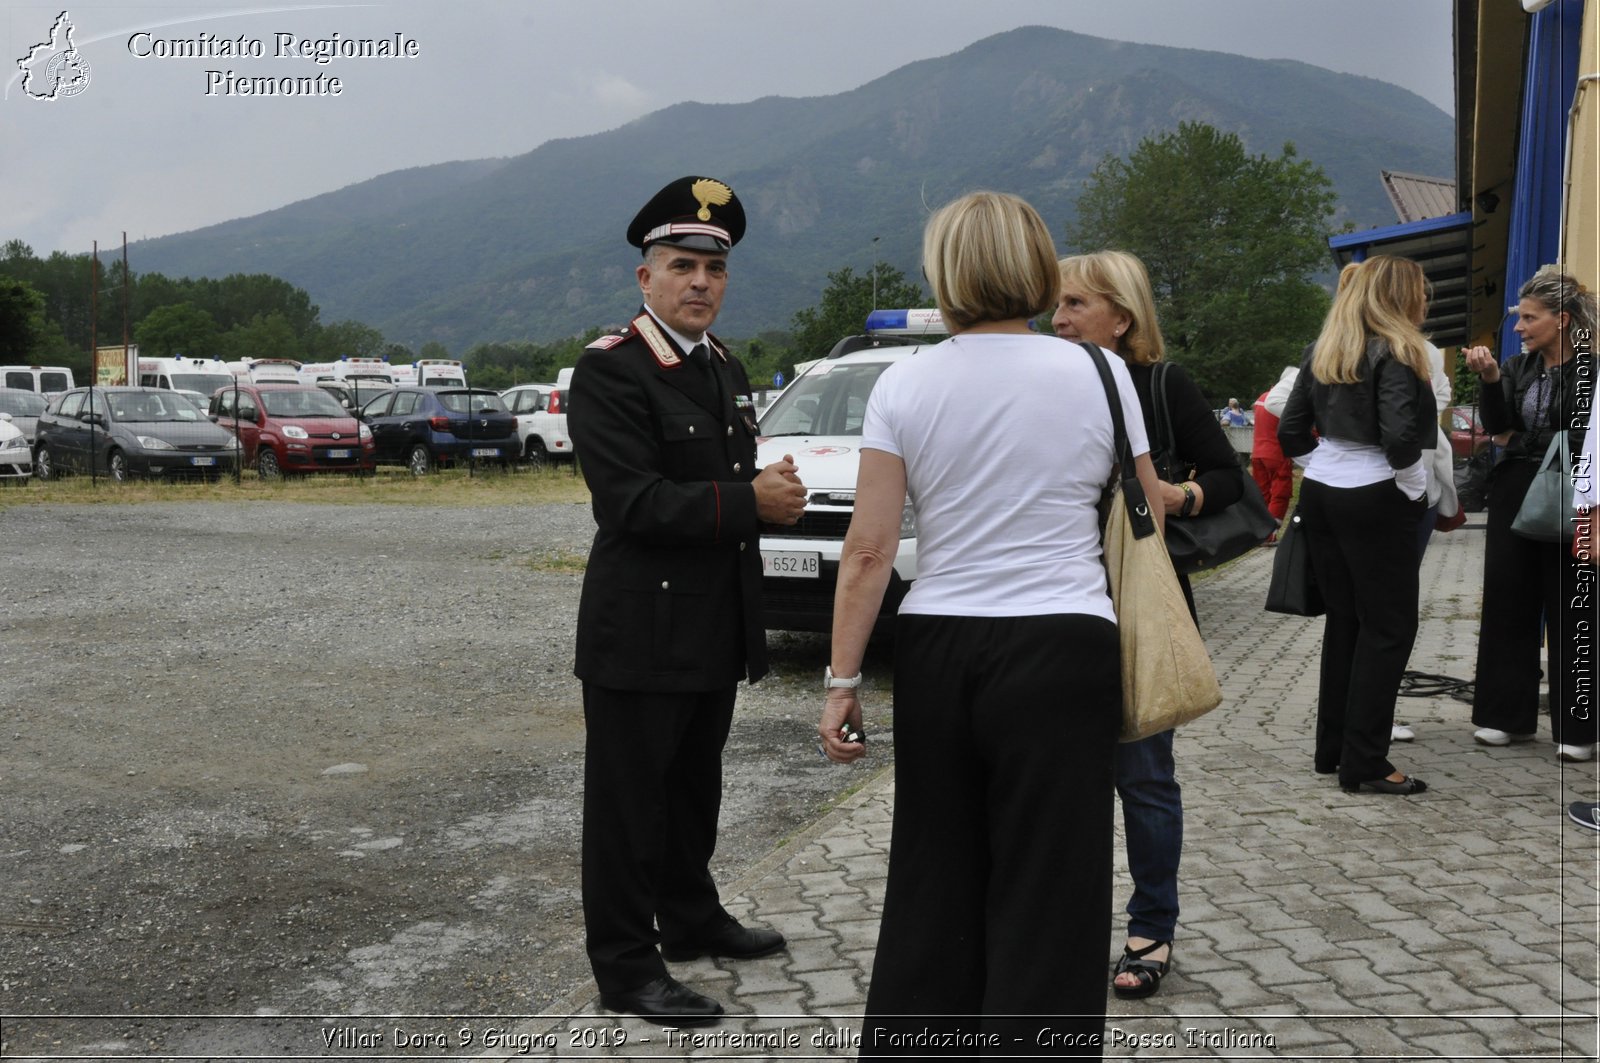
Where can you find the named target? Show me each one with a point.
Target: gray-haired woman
(1534, 395)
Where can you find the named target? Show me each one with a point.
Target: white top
(1007, 442)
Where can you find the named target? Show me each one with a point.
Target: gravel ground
(277, 758)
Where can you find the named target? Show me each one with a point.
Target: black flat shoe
(732, 941)
(1149, 972)
(1409, 785)
(667, 1001)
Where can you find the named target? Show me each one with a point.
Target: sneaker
(1401, 733)
(1585, 814)
(1575, 754)
(1488, 736)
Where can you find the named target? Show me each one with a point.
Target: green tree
(1231, 241)
(181, 328)
(263, 336)
(843, 310)
(351, 339)
(22, 321)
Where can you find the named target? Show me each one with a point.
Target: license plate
(486, 452)
(791, 565)
(338, 453)
(202, 461)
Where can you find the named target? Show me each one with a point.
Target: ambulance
(370, 372)
(818, 420)
(439, 373)
(194, 378)
(266, 370)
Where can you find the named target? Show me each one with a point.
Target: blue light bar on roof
(906, 322)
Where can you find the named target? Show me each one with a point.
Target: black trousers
(1363, 543)
(1522, 580)
(998, 901)
(652, 790)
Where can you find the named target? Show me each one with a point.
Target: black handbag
(1294, 587)
(1207, 539)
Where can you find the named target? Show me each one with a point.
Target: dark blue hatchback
(423, 428)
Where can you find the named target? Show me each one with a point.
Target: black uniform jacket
(672, 596)
(1389, 407)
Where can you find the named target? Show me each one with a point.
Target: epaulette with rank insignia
(605, 343)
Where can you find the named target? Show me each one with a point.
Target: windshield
(830, 400)
(316, 403)
(22, 404)
(482, 401)
(204, 383)
(151, 406)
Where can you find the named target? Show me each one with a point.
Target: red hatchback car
(293, 428)
(1467, 435)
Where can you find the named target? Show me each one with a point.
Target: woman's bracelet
(1188, 499)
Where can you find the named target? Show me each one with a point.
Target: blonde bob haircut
(988, 257)
(1121, 279)
(1384, 299)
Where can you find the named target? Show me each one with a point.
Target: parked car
(126, 431)
(423, 428)
(353, 394)
(292, 428)
(24, 408)
(16, 460)
(541, 421)
(1467, 434)
(818, 419)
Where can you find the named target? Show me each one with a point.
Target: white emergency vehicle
(195, 378)
(439, 373)
(818, 420)
(266, 370)
(369, 371)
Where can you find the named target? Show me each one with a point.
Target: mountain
(531, 247)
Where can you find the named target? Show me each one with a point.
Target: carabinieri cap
(698, 213)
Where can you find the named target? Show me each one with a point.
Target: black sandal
(1148, 972)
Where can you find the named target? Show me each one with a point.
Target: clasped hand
(780, 496)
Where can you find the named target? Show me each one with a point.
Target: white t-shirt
(1007, 442)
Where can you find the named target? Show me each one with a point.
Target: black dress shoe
(731, 940)
(666, 1000)
(1409, 785)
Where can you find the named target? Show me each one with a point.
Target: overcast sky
(152, 144)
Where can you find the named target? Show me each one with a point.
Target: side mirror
(93, 418)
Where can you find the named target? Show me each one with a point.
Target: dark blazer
(672, 595)
(1565, 388)
(1389, 407)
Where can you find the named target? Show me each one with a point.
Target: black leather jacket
(1389, 407)
(1501, 403)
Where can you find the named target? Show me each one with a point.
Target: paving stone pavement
(1457, 924)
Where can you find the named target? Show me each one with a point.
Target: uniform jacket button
(737, 466)
(665, 585)
(691, 429)
(730, 429)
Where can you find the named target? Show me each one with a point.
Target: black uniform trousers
(998, 901)
(1363, 545)
(1522, 579)
(652, 790)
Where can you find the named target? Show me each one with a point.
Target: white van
(439, 373)
(266, 370)
(371, 372)
(45, 379)
(197, 378)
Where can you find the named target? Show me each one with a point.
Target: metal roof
(1418, 198)
(1441, 247)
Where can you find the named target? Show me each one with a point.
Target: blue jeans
(1152, 820)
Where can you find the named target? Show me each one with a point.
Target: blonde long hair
(1383, 297)
(1121, 279)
